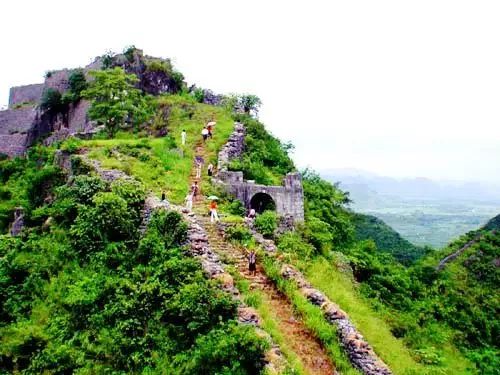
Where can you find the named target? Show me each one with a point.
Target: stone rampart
(288, 199)
(25, 94)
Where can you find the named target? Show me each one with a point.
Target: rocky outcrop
(209, 97)
(18, 224)
(233, 148)
(153, 79)
(25, 123)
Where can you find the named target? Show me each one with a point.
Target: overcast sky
(399, 88)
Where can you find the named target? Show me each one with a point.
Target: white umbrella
(211, 123)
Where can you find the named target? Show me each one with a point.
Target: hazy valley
(423, 211)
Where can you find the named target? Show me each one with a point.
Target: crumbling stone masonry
(288, 199)
(24, 122)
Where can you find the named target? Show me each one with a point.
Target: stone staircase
(308, 349)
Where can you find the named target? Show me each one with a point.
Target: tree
(51, 101)
(250, 103)
(115, 101)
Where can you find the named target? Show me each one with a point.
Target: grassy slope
(168, 167)
(373, 325)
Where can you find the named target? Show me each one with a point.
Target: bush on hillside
(232, 347)
(292, 242)
(238, 233)
(236, 208)
(265, 158)
(51, 101)
(319, 234)
(266, 223)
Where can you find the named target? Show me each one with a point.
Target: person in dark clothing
(252, 262)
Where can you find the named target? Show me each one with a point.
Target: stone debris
(233, 148)
(108, 175)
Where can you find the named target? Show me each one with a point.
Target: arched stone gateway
(288, 198)
(261, 202)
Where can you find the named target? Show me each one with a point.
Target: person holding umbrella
(210, 126)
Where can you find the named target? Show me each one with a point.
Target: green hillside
(492, 224)
(84, 291)
(369, 227)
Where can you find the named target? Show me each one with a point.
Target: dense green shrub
(236, 208)
(109, 219)
(326, 202)
(115, 102)
(40, 184)
(238, 233)
(233, 348)
(77, 83)
(157, 65)
(292, 242)
(319, 234)
(199, 95)
(266, 223)
(129, 52)
(107, 60)
(87, 296)
(170, 226)
(265, 159)
(52, 101)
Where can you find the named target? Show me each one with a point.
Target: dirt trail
(309, 351)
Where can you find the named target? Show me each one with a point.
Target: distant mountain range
(367, 183)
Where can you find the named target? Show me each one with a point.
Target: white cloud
(397, 87)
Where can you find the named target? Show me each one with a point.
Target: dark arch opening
(261, 202)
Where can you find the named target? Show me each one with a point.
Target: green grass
(163, 164)
(257, 300)
(312, 317)
(340, 289)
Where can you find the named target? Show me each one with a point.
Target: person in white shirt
(189, 201)
(204, 133)
(183, 137)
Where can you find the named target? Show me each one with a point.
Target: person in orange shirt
(213, 212)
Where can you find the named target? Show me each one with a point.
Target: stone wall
(58, 80)
(289, 198)
(233, 148)
(15, 127)
(25, 94)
